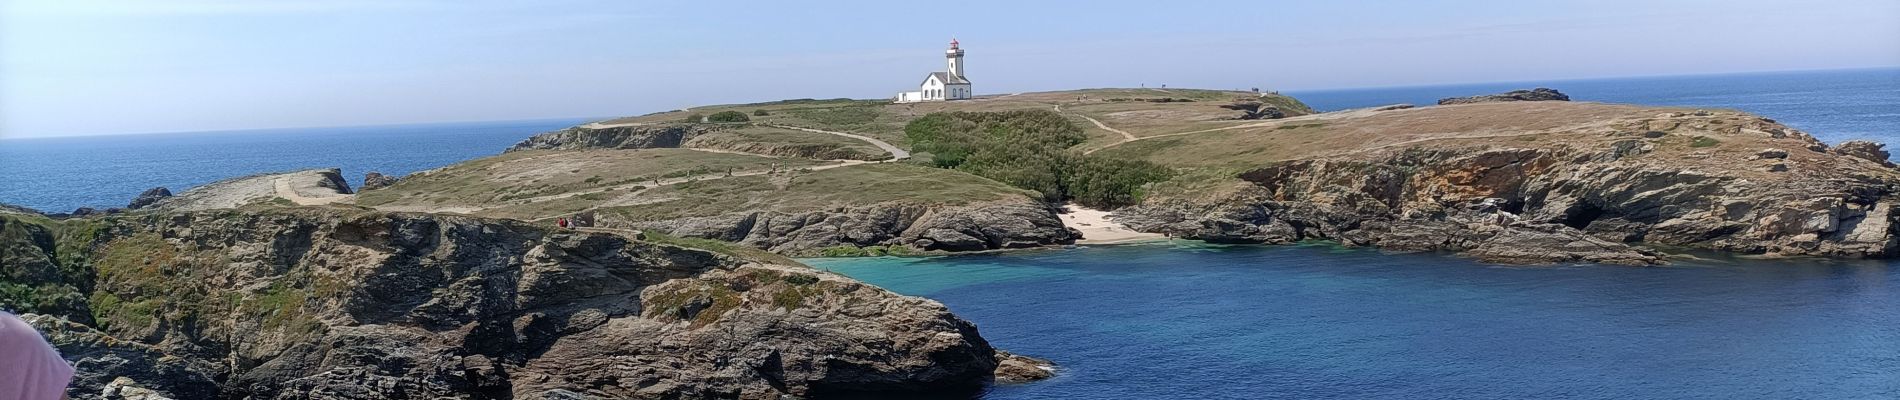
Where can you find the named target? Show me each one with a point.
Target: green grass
(850, 186)
(1703, 141)
(529, 174)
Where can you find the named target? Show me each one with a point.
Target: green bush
(1030, 149)
(694, 119)
(760, 113)
(728, 116)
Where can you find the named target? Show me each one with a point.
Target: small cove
(1188, 320)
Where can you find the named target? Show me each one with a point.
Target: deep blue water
(1317, 322)
(1832, 105)
(60, 174)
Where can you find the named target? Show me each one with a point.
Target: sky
(87, 67)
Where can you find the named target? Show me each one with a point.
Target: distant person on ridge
(30, 369)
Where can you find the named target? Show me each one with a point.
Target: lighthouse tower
(942, 86)
(955, 57)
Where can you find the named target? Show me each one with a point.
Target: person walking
(30, 369)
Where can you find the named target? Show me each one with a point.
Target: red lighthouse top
(953, 43)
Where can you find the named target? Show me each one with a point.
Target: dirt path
(650, 185)
(1353, 113)
(283, 189)
(1127, 137)
(896, 153)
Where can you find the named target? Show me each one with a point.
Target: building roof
(946, 78)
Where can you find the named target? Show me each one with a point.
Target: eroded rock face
(623, 137)
(149, 197)
(997, 225)
(1538, 94)
(1520, 206)
(376, 180)
(306, 303)
(1865, 150)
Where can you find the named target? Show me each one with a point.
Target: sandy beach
(1097, 229)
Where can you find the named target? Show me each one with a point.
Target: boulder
(1864, 149)
(1771, 154)
(1012, 368)
(1255, 110)
(149, 197)
(376, 180)
(1538, 94)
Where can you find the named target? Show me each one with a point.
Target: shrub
(760, 113)
(694, 119)
(1029, 149)
(728, 116)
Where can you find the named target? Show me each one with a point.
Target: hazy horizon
(83, 68)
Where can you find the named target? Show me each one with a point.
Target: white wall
(932, 88)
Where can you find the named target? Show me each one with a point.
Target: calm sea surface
(60, 174)
(1832, 105)
(1319, 322)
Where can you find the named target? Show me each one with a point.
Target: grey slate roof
(946, 79)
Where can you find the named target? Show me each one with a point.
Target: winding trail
(1127, 137)
(896, 153)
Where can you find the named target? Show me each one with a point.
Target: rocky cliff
(297, 303)
(984, 226)
(1538, 94)
(1710, 180)
(620, 137)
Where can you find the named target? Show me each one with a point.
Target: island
(648, 256)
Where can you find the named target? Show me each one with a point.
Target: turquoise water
(1320, 322)
(61, 174)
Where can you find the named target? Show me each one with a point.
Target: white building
(942, 86)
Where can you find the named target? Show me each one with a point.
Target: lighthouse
(942, 86)
(954, 55)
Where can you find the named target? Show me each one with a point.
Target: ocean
(1834, 106)
(63, 173)
(1321, 322)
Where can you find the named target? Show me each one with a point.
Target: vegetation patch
(1703, 141)
(866, 251)
(728, 116)
(1029, 149)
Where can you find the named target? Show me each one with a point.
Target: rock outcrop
(149, 197)
(1538, 94)
(1560, 204)
(325, 303)
(1251, 110)
(984, 226)
(1865, 150)
(620, 137)
(376, 180)
(308, 186)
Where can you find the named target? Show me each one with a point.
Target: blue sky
(72, 67)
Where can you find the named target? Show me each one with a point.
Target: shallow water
(1310, 321)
